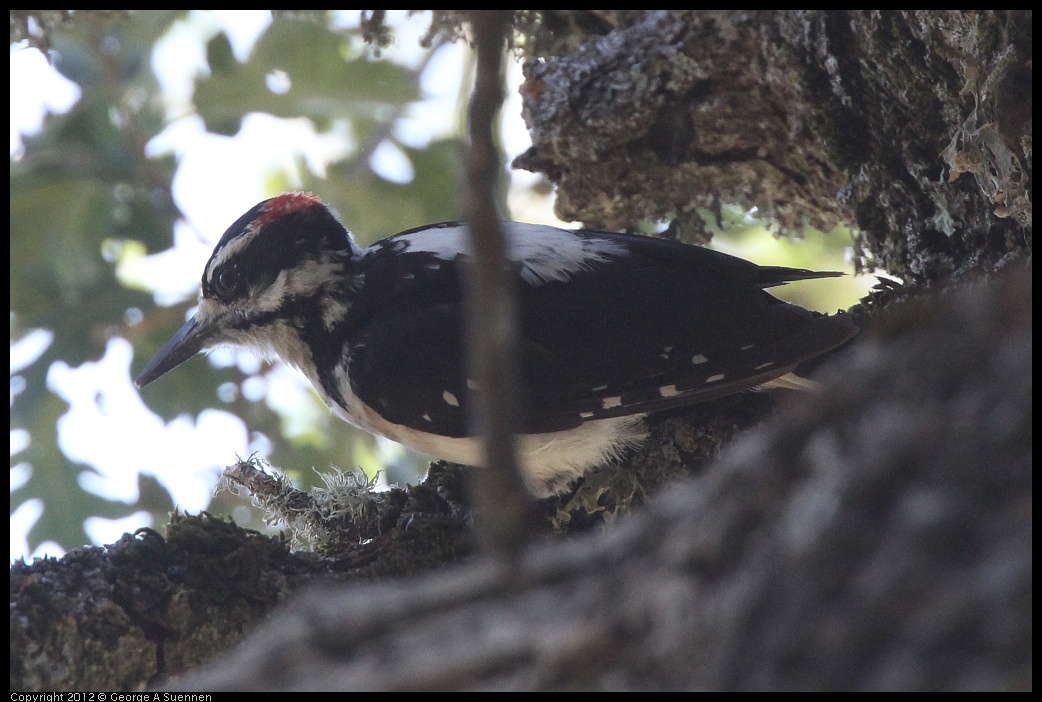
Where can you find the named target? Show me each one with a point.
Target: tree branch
(501, 500)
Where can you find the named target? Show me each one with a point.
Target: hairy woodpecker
(612, 327)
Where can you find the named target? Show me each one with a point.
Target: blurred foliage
(82, 181)
(84, 188)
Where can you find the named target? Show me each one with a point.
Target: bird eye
(226, 281)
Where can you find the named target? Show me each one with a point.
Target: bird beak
(189, 340)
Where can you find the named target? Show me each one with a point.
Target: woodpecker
(612, 327)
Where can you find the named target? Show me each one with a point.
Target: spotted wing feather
(667, 325)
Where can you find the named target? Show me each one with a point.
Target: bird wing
(649, 326)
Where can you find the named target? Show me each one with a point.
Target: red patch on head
(286, 204)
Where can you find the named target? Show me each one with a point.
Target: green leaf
(325, 82)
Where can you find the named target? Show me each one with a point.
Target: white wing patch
(545, 253)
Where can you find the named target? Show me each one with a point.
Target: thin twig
(500, 497)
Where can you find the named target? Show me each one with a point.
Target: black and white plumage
(612, 327)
